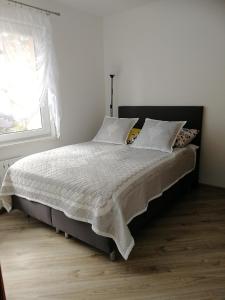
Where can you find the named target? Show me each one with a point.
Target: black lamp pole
(111, 103)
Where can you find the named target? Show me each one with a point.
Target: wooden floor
(181, 256)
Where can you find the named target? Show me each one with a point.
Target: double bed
(103, 194)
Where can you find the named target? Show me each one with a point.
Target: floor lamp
(111, 103)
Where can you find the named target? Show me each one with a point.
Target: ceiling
(104, 7)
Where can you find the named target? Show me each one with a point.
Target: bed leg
(112, 255)
(67, 236)
(2, 211)
(57, 231)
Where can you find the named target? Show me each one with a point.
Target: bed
(180, 172)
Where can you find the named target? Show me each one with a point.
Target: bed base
(83, 231)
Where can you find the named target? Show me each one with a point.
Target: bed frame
(82, 230)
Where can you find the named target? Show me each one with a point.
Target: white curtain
(35, 83)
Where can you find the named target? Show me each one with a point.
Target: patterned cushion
(133, 135)
(185, 137)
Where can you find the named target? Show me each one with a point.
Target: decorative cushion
(185, 137)
(115, 130)
(158, 135)
(133, 135)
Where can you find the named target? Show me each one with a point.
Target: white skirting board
(4, 165)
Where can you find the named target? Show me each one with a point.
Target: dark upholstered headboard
(192, 114)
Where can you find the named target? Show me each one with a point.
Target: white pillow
(115, 130)
(158, 135)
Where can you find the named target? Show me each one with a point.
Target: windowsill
(28, 140)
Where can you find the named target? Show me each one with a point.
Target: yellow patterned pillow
(133, 135)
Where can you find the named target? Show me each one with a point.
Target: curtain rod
(35, 7)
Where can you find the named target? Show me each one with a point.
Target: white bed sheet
(103, 184)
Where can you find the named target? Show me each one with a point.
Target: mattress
(106, 185)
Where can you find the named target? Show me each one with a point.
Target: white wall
(172, 52)
(79, 50)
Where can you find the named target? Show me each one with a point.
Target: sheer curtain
(28, 63)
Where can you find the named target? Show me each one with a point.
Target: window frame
(47, 130)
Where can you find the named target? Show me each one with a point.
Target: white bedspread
(103, 184)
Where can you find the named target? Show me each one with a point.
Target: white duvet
(103, 184)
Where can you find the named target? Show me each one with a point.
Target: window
(20, 112)
(27, 86)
